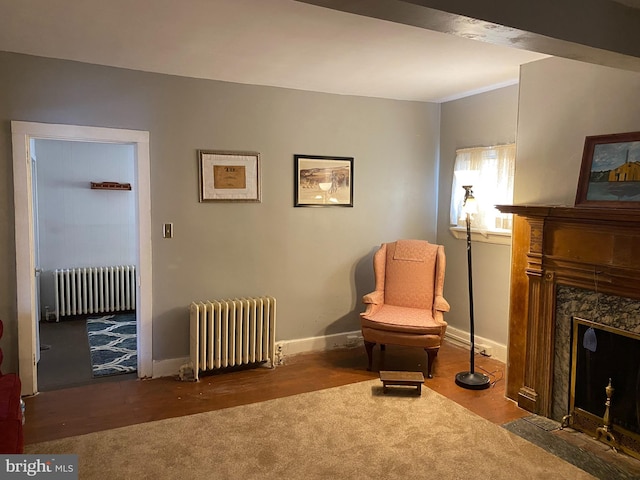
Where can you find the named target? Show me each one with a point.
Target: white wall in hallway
(78, 226)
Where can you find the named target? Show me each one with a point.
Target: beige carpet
(346, 432)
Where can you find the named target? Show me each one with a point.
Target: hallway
(64, 356)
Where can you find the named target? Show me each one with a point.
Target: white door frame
(22, 133)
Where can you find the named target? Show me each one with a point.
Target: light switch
(167, 230)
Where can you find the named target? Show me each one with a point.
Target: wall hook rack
(110, 186)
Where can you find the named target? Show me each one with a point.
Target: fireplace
(595, 341)
(605, 384)
(575, 305)
(567, 264)
(605, 357)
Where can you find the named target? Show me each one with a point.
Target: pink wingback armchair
(407, 305)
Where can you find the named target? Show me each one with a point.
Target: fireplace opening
(603, 355)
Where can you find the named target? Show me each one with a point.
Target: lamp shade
(470, 205)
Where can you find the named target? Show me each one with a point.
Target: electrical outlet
(167, 230)
(485, 351)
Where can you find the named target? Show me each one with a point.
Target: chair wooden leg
(369, 347)
(432, 353)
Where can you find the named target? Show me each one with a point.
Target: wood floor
(74, 411)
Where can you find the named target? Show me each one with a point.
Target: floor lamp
(470, 379)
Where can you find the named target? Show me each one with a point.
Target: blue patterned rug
(113, 344)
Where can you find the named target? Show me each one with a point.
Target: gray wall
(557, 104)
(481, 120)
(316, 261)
(562, 102)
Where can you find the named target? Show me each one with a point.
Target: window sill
(496, 237)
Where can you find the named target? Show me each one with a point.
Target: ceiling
(629, 3)
(280, 43)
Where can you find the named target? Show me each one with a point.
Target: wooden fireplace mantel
(590, 248)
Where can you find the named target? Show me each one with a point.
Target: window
(490, 170)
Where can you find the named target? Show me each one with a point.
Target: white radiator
(227, 333)
(94, 290)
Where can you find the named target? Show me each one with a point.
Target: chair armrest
(441, 304)
(376, 298)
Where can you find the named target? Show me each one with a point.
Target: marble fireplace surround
(561, 256)
(619, 312)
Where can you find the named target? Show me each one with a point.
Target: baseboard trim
(171, 367)
(321, 343)
(490, 348)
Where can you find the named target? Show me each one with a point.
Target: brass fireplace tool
(605, 430)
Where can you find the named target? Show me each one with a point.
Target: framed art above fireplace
(610, 171)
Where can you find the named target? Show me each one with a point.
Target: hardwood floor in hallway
(74, 411)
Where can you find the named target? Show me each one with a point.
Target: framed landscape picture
(321, 181)
(610, 171)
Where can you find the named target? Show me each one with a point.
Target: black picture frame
(323, 181)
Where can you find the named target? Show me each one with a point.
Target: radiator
(94, 290)
(228, 333)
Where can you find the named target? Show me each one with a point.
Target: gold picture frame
(229, 176)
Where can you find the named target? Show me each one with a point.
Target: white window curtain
(490, 171)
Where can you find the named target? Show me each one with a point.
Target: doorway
(27, 308)
(84, 242)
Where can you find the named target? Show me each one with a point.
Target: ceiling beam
(595, 31)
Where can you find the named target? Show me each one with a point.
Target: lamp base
(472, 380)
